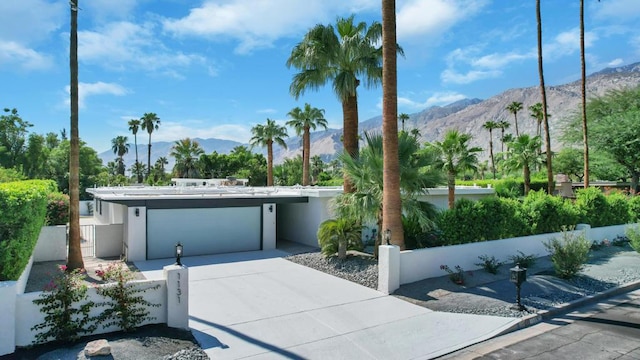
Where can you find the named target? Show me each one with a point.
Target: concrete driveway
(257, 305)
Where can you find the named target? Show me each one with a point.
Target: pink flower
(63, 267)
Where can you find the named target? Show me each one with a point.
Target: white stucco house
(210, 219)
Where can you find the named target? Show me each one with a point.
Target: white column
(177, 277)
(268, 226)
(7, 317)
(136, 233)
(388, 268)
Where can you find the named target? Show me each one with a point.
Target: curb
(541, 315)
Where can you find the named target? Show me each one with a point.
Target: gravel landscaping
(487, 294)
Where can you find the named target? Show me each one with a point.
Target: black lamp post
(518, 275)
(178, 253)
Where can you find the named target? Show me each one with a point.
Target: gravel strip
(607, 268)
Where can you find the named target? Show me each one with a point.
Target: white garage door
(202, 231)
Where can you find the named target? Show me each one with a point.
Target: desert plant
(489, 264)
(126, 307)
(523, 260)
(568, 254)
(457, 276)
(634, 238)
(339, 235)
(64, 303)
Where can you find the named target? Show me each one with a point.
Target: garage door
(203, 231)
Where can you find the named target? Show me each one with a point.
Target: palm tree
(403, 116)
(303, 121)
(365, 205)
(74, 258)
(120, 148)
(317, 166)
(391, 198)
(149, 122)
(334, 235)
(538, 116)
(502, 125)
(266, 135)
(186, 152)
(491, 125)
(514, 107)
(415, 133)
(543, 94)
(585, 139)
(523, 155)
(134, 126)
(344, 58)
(161, 162)
(454, 157)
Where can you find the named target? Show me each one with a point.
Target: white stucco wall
(299, 222)
(439, 197)
(8, 320)
(109, 240)
(52, 244)
(111, 213)
(269, 226)
(135, 233)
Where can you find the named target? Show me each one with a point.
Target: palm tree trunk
(585, 140)
(451, 187)
(270, 163)
(543, 93)
(306, 148)
(391, 201)
(515, 120)
(526, 174)
(350, 134)
(135, 143)
(493, 165)
(149, 158)
(74, 258)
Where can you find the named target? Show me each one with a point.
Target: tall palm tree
(186, 152)
(535, 111)
(317, 166)
(523, 155)
(134, 126)
(266, 135)
(454, 157)
(303, 121)
(514, 107)
(502, 125)
(149, 122)
(491, 125)
(583, 88)
(120, 148)
(543, 94)
(74, 258)
(391, 198)
(403, 116)
(345, 56)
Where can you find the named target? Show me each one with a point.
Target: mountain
(466, 115)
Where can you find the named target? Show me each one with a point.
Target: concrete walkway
(257, 305)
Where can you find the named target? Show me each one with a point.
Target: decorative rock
(97, 348)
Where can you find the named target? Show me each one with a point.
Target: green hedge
(23, 205)
(507, 187)
(546, 214)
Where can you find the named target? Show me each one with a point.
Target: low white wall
(8, 292)
(439, 197)
(52, 244)
(416, 265)
(109, 240)
(28, 314)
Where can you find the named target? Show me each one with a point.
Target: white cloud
(497, 60)
(616, 10)
(86, 90)
(615, 62)
(429, 18)
(122, 45)
(453, 76)
(567, 43)
(15, 54)
(267, 111)
(28, 21)
(438, 98)
(109, 9)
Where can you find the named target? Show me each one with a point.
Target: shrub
(618, 212)
(339, 235)
(457, 276)
(509, 188)
(634, 238)
(64, 303)
(57, 209)
(23, 205)
(547, 213)
(460, 225)
(126, 307)
(523, 260)
(634, 209)
(592, 206)
(499, 218)
(568, 254)
(489, 264)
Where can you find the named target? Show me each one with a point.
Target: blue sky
(215, 68)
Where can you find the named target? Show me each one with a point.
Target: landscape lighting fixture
(517, 276)
(178, 253)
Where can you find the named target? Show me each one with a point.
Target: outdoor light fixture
(178, 253)
(270, 208)
(387, 236)
(517, 276)
(137, 211)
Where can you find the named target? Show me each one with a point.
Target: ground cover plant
(568, 254)
(523, 260)
(489, 264)
(456, 276)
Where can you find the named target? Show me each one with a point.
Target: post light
(387, 237)
(178, 253)
(517, 276)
